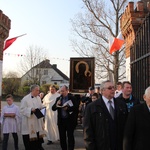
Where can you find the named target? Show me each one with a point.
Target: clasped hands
(12, 115)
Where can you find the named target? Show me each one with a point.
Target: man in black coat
(67, 118)
(104, 121)
(137, 129)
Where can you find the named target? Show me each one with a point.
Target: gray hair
(102, 86)
(147, 91)
(33, 87)
(65, 86)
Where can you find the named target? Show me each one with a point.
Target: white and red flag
(10, 41)
(116, 43)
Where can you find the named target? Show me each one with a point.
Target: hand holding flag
(10, 41)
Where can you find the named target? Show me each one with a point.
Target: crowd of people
(111, 118)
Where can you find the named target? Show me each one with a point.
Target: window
(43, 82)
(45, 72)
(37, 71)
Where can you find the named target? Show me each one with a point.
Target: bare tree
(34, 55)
(93, 27)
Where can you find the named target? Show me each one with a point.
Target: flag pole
(20, 35)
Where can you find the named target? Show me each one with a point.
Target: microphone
(59, 102)
(61, 97)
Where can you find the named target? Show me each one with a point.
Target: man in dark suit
(137, 129)
(104, 121)
(67, 118)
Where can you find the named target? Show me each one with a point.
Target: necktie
(111, 109)
(64, 113)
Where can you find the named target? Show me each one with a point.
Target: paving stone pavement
(79, 143)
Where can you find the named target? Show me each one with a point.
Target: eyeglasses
(94, 98)
(110, 87)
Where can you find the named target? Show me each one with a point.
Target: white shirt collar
(106, 102)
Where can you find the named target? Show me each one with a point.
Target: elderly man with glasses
(104, 121)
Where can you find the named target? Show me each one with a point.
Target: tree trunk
(116, 67)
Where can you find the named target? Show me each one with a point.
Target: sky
(46, 24)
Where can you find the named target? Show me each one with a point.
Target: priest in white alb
(51, 116)
(32, 126)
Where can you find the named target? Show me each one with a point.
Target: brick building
(135, 28)
(5, 24)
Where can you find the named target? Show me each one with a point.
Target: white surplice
(51, 117)
(10, 125)
(30, 124)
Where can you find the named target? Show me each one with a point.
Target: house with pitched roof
(45, 73)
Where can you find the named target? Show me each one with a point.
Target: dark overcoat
(137, 129)
(71, 111)
(101, 132)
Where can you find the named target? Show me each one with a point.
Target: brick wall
(131, 20)
(4, 31)
(5, 24)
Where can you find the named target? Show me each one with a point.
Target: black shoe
(49, 142)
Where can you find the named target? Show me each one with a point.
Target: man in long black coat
(137, 130)
(67, 108)
(101, 130)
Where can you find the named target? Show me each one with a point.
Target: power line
(23, 55)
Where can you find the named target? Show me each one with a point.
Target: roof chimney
(55, 65)
(148, 6)
(145, 3)
(140, 6)
(47, 60)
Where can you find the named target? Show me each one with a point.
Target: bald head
(147, 96)
(64, 90)
(147, 91)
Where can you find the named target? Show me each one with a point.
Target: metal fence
(140, 59)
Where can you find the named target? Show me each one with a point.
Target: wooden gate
(140, 59)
